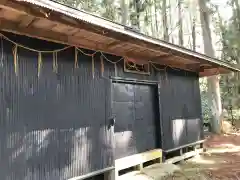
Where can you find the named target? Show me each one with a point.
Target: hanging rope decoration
(34, 50)
(55, 62)
(158, 69)
(91, 55)
(102, 66)
(1, 63)
(15, 59)
(76, 58)
(76, 64)
(93, 66)
(115, 69)
(113, 62)
(39, 63)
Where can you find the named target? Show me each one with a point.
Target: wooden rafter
(26, 21)
(1, 13)
(83, 32)
(55, 37)
(64, 20)
(114, 44)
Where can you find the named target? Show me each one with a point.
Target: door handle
(111, 122)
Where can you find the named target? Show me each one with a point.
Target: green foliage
(230, 84)
(206, 110)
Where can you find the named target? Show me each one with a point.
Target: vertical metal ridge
(55, 126)
(49, 124)
(182, 105)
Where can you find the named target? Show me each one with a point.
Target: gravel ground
(221, 161)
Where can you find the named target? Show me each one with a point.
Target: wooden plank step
(184, 156)
(137, 160)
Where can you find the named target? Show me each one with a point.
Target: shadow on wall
(52, 127)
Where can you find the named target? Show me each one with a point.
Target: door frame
(158, 120)
(131, 80)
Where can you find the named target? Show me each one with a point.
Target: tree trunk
(193, 24)
(214, 97)
(180, 32)
(194, 34)
(236, 3)
(164, 21)
(124, 8)
(156, 18)
(138, 11)
(151, 8)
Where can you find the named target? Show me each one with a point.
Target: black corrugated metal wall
(52, 127)
(180, 105)
(56, 126)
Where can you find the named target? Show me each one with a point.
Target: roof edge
(121, 29)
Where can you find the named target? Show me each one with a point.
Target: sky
(225, 10)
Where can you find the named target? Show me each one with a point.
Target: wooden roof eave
(152, 49)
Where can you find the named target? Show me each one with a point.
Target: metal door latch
(111, 122)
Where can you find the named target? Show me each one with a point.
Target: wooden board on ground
(184, 156)
(138, 160)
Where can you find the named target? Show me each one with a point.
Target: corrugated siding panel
(180, 109)
(56, 126)
(53, 126)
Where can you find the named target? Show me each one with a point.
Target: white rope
(1, 64)
(34, 50)
(15, 59)
(86, 53)
(113, 62)
(76, 58)
(157, 67)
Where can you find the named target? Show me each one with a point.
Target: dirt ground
(221, 161)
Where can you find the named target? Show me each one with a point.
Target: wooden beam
(196, 67)
(57, 38)
(200, 67)
(211, 73)
(159, 58)
(65, 20)
(32, 32)
(41, 13)
(114, 44)
(73, 32)
(47, 35)
(174, 65)
(107, 29)
(1, 13)
(26, 21)
(73, 41)
(6, 4)
(3, 2)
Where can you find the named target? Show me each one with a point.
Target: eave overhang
(55, 22)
